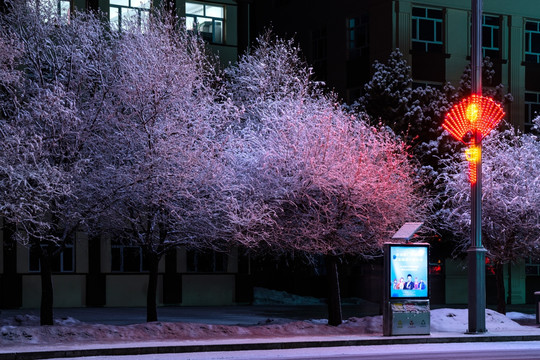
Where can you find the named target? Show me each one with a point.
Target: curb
(178, 349)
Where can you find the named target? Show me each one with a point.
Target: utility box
(406, 308)
(410, 317)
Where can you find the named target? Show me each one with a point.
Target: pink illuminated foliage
(311, 178)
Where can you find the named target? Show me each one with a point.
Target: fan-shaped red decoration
(475, 112)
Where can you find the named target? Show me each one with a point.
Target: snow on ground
(456, 320)
(25, 329)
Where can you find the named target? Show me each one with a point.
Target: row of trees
(140, 135)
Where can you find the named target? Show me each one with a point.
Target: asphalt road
(462, 351)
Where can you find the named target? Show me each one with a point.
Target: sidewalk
(155, 347)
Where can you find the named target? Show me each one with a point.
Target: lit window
(127, 259)
(59, 9)
(63, 261)
(357, 36)
(532, 108)
(490, 36)
(532, 41)
(124, 13)
(207, 20)
(427, 29)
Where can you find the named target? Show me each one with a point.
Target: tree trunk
(46, 310)
(499, 278)
(334, 298)
(151, 294)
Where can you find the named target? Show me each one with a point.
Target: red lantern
(473, 115)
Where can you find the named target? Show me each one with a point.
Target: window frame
(118, 25)
(34, 264)
(529, 111)
(142, 268)
(218, 263)
(357, 28)
(495, 43)
(214, 19)
(416, 27)
(527, 38)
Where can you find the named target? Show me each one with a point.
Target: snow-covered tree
(54, 89)
(510, 200)
(162, 159)
(312, 178)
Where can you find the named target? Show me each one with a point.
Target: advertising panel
(408, 271)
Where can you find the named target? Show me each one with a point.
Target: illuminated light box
(408, 271)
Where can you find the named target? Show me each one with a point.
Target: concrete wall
(208, 289)
(69, 290)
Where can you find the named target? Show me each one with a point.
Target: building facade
(341, 39)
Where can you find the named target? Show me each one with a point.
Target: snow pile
(33, 320)
(25, 329)
(456, 320)
(10, 335)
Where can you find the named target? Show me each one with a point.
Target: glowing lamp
(472, 154)
(473, 114)
(470, 121)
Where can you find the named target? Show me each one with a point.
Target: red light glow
(474, 113)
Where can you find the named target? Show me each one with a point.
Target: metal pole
(477, 253)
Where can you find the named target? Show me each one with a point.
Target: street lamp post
(476, 252)
(470, 121)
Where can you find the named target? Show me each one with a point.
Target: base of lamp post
(477, 290)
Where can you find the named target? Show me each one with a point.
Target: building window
(207, 20)
(532, 267)
(491, 28)
(319, 53)
(532, 41)
(127, 259)
(427, 29)
(61, 262)
(59, 9)
(532, 108)
(206, 261)
(124, 13)
(357, 36)
(63, 9)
